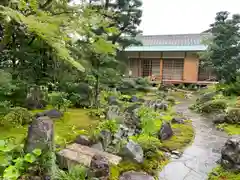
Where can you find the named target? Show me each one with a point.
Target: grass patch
(231, 129)
(219, 173)
(66, 129)
(183, 136)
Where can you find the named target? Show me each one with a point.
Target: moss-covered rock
(221, 174)
(183, 136)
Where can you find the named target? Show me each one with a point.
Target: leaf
(29, 158)
(11, 173)
(37, 152)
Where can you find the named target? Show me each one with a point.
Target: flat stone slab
(78, 154)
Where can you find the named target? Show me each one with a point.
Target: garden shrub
(148, 143)
(80, 94)
(127, 86)
(213, 106)
(4, 107)
(171, 99)
(206, 97)
(233, 116)
(59, 100)
(74, 173)
(148, 118)
(17, 116)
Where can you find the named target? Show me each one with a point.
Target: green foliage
(21, 165)
(4, 107)
(74, 173)
(233, 116)
(99, 113)
(17, 116)
(219, 173)
(171, 99)
(213, 106)
(148, 143)
(110, 125)
(149, 118)
(222, 54)
(59, 100)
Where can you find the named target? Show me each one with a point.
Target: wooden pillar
(161, 67)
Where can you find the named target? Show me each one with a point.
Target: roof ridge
(173, 34)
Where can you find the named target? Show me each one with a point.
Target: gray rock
(98, 146)
(83, 140)
(220, 119)
(165, 132)
(40, 135)
(53, 113)
(106, 138)
(133, 151)
(131, 175)
(100, 167)
(113, 112)
(178, 120)
(230, 154)
(112, 100)
(133, 99)
(160, 106)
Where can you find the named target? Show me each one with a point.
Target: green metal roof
(178, 42)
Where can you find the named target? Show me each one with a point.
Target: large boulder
(165, 132)
(133, 151)
(100, 167)
(53, 113)
(131, 175)
(40, 135)
(219, 119)
(230, 158)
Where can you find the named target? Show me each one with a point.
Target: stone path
(199, 158)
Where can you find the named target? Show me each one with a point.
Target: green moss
(74, 122)
(151, 165)
(183, 136)
(231, 129)
(221, 174)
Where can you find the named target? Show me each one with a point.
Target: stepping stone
(75, 154)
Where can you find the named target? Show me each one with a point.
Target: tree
(39, 37)
(125, 15)
(223, 52)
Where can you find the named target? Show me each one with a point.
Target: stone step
(75, 154)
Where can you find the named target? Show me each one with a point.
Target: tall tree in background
(223, 52)
(125, 15)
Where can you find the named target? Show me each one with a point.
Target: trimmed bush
(213, 106)
(148, 143)
(18, 116)
(171, 99)
(233, 116)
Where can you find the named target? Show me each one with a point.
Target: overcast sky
(182, 16)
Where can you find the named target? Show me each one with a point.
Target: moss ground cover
(66, 129)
